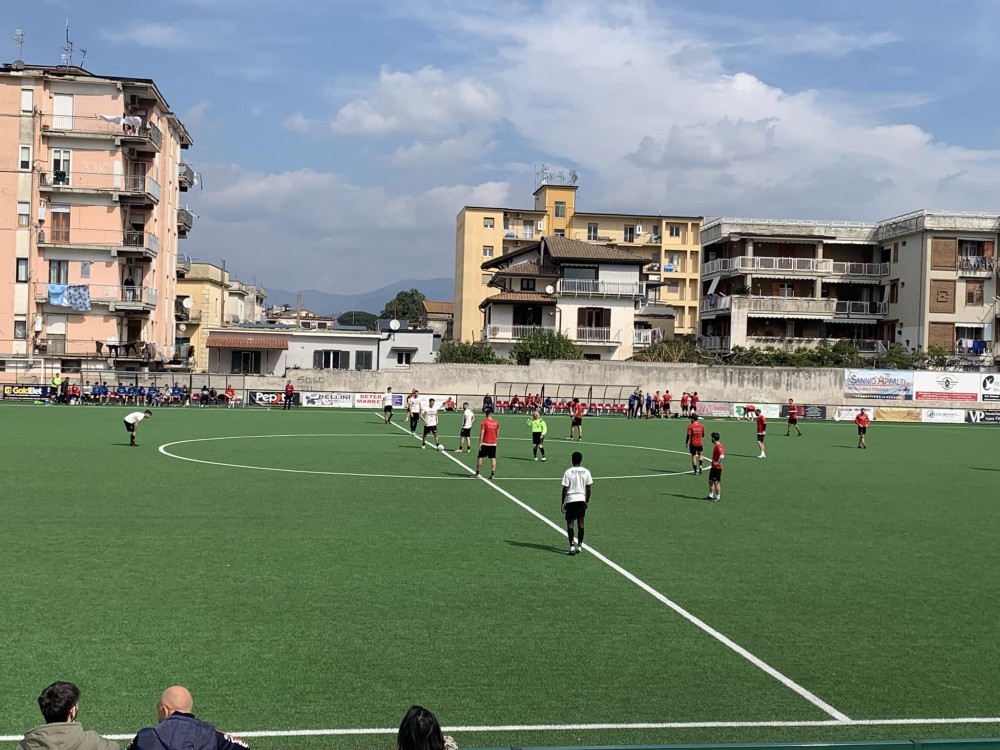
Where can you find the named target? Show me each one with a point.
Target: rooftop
(439, 308)
(508, 298)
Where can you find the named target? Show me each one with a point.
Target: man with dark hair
(715, 471)
(489, 432)
(180, 730)
(576, 484)
(132, 423)
(60, 704)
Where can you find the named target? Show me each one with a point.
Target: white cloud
(196, 114)
(172, 37)
(298, 123)
(428, 101)
(470, 146)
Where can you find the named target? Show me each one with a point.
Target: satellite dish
(550, 289)
(187, 303)
(394, 324)
(181, 328)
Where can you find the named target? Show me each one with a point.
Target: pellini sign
(26, 392)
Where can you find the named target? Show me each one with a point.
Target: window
(27, 100)
(527, 230)
(974, 292)
(60, 166)
(895, 252)
(362, 360)
(523, 315)
(675, 230)
(630, 233)
(571, 272)
(487, 251)
(786, 290)
(246, 363)
(592, 231)
(485, 279)
(84, 269)
(21, 273)
(527, 285)
(560, 233)
(487, 223)
(24, 158)
(58, 271)
(331, 360)
(560, 209)
(21, 329)
(894, 293)
(790, 328)
(23, 214)
(60, 224)
(403, 358)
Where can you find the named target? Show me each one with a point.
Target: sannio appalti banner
(882, 385)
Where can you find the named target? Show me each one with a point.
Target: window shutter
(317, 360)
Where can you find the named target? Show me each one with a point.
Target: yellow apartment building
(672, 244)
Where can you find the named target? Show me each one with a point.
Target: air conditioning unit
(541, 226)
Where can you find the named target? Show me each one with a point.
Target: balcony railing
(845, 307)
(975, 265)
(715, 343)
(185, 176)
(93, 126)
(598, 288)
(509, 333)
(589, 335)
(69, 182)
(646, 336)
(803, 306)
(793, 266)
(973, 348)
(791, 343)
(129, 241)
(122, 297)
(185, 221)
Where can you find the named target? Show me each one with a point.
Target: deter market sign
(374, 400)
(885, 385)
(26, 392)
(271, 398)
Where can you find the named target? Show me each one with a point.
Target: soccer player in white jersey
(576, 485)
(413, 408)
(465, 436)
(132, 422)
(429, 417)
(387, 405)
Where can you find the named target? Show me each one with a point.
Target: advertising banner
(848, 413)
(328, 400)
(812, 411)
(271, 398)
(888, 414)
(714, 409)
(374, 400)
(27, 392)
(983, 416)
(943, 416)
(771, 411)
(946, 386)
(989, 388)
(882, 385)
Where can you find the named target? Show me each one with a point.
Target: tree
(541, 343)
(408, 306)
(464, 352)
(680, 349)
(358, 318)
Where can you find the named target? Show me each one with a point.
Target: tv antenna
(67, 51)
(19, 41)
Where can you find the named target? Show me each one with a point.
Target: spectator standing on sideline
(178, 729)
(538, 432)
(684, 403)
(59, 703)
(793, 419)
(862, 421)
(387, 406)
(465, 434)
(632, 398)
(489, 433)
(289, 396)
(694, 402)
(649, 405)
(666, 404)
(576, 485)
(56, 386)
(420, 730)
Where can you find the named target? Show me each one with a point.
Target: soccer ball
(440, 447)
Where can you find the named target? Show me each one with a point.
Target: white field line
(591, 727)
(759, 663)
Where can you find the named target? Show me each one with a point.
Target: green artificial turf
(310, 599)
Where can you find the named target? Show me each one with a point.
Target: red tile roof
(250, 343)
(514, 298)
(563, 249)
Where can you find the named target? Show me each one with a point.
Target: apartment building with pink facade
(92, 173)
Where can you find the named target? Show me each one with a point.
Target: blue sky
(338, 139)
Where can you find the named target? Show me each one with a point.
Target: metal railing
(816, 266)
(715, 343)
(93, 125)
(803, 305)
(185, 220)
(646, 336)
(864, 346)
(594, 335)
(509, 333)
(122, 297)
(72, 181)
(975, 347)
(975, 264)
(601, 288)
(100, 238)
(185, 175)
(846, 307)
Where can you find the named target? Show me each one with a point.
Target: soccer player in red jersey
(715, 471)
(576, 422)
(694, 402)
(695, 441)
(761, 432)
(666, 404)
(793, 419)
(489, 431)
(684, 403)
(862, 421)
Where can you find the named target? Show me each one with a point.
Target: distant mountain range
(324, 303)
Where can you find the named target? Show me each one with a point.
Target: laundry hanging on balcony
(57, 294)
(78, 297)
(129, 122)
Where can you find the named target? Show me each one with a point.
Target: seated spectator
(230, 396)
(88, 393)
(515, 404)
(203, 396)
(121, 393)
(186, 396)
(449, 404)
(548, 405)
(487, 403)
(61, 731)
(213, 396)
(175, 394)
(180, 730)
(420, 730)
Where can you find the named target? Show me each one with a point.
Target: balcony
(58, 346)
(504, 334)
(185, 221)
(598, 288)
(600, 336)
(791, 343)
(134, 131)
(975, 265)
(715, 343)
(861, 309)
(116, 298)
(643, 337)
(132, 189)
(792, 267)
(973, 348)
(185, 177)
(131, 243)
(795, 307)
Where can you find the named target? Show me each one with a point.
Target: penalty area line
(591, 727)
(696, 621)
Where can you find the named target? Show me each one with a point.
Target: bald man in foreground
(180, 730)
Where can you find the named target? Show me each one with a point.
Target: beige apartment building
(669, 243)
(926, 278)
(92, 172)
